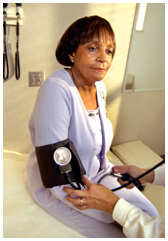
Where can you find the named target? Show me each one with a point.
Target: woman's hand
(96, 196)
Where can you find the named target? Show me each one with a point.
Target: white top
(94, 119)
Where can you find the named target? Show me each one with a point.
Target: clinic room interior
(135, 101)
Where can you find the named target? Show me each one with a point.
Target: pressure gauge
(62, 156)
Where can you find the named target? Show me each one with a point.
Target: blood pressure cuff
(49, 170)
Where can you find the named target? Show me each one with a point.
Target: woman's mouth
(99, 69)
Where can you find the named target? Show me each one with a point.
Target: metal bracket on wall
(11, 17)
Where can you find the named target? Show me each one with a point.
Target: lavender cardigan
(59, 114)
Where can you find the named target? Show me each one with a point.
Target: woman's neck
(87, 92)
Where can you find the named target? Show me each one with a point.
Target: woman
(71, 104)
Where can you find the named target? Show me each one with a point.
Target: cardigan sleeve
(52, 113)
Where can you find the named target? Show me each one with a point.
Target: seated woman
(71, 105)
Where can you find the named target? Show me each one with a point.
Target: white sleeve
(136, 223)
(159, 176)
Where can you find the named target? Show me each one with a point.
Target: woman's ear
(71, 57)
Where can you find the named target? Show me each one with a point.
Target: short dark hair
(81, 32)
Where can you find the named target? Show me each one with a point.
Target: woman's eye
(109, 52)
(92, 48)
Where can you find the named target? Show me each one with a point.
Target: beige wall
(140, 116)
(42, 27)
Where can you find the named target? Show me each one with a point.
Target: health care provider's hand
(96, 196)
(134, 172)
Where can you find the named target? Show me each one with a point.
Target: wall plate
(36, 78)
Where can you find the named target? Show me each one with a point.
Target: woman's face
(92, 60)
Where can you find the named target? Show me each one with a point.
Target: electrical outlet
(36, 78)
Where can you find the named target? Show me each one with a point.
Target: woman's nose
(102, 56)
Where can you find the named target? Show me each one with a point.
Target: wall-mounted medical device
(11, 16)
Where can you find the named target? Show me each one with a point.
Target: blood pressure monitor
(59, 164)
